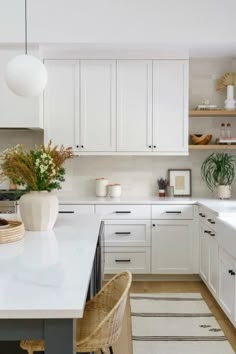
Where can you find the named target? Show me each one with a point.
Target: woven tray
(14, 232)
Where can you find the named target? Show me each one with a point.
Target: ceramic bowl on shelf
(200, 139)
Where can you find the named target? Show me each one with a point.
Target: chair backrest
(114, 295)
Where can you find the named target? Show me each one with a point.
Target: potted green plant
(218, 171)
(162, 184)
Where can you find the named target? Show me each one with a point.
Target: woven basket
(14, 232)
(200, 139)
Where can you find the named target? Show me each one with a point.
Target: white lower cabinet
(127, 245)
(134, 259)
(209, 252)
(213, 274)
(227, 285)
(172, 247)
(204, 264)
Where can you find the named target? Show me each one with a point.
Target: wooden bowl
(200, 139)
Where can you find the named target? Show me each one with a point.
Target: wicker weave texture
(14, 232)
(101, 324)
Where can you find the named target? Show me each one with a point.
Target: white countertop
(46, 275)
(73, 199)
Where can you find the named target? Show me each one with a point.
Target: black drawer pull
(212, 234)
(123, 233)
(173, 212)
(231, 271)
(202, 215)
(123, 212)
(122, 260)
(207, 231)
(211, 221)
(66, 212)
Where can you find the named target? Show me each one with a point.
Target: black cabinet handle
(122, 233)
(207, 231)
(230, 271)
(153, 225)
(154, 146)
(77, 146)
(211, 221)
(122, 260)
(202, 215)
(123, 212)
(233, 273)
(66, 212)
(82, 146)
(150, 146)
(212, 234)
(173, 212)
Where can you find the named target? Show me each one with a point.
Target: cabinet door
(170, 106)
(60, 107)
(172, 247)
(134, 105)
(227, 284)
(204, 257)
(213, 280)
(98, 105)
(16, 111)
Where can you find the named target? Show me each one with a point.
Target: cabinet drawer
(172, 212)
(76, 209)
(137, 260)
(124, 211)
(208, 217)
(127, 233)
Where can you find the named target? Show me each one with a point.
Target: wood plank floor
(189, 287)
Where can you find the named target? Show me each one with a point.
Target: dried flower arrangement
(162, 183)
(225, 80)
(36, 170)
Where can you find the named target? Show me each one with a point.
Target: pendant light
(25, 74)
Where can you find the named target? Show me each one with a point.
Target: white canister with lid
(114, 190)
(101, 187)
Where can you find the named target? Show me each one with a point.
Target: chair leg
(111, 350)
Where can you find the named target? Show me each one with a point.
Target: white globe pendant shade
(26, 75)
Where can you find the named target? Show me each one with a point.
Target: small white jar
(114, 190)
(101, 187)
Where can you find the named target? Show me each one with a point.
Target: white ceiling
(200, 27)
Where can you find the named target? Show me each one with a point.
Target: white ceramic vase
(230, 101)
(224, 192)
(38, 210)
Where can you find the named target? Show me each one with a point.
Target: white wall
(190, 22)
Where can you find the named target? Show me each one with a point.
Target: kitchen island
(45, 280)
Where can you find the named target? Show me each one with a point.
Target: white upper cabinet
(118, 106)
(134, 105)
(60, 107)
(98, 105)
(16, 111)
(170, 106)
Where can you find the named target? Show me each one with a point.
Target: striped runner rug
(179, 323)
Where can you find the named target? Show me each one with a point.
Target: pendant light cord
(26, 48)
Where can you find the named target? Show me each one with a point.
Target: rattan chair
(101, 324)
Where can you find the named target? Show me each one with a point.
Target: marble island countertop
(46, 275)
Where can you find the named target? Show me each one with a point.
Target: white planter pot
(38, 210)
(224, 192)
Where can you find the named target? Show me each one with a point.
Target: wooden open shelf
(212, 147)
(214, 113)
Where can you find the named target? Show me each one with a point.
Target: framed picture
(181, 181)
